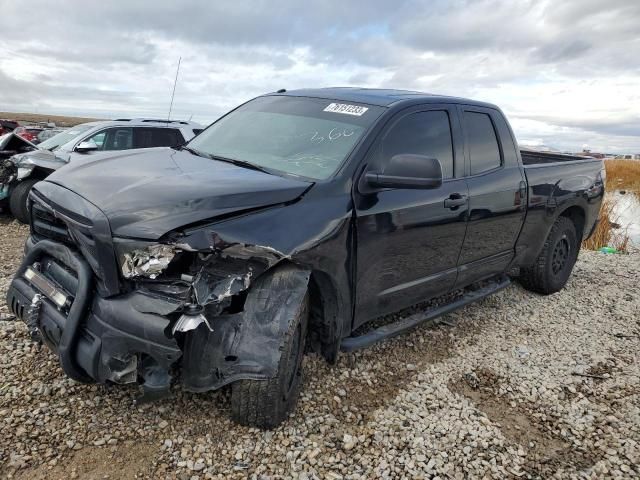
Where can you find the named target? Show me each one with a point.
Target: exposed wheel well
(40, 173)
(577, 216)
(323, 315)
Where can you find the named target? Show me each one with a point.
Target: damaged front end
(177, 277)
(215, 305)
(183, 306)
(10, 170)
(8, 173)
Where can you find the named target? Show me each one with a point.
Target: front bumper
(128, 337)
(96, 339)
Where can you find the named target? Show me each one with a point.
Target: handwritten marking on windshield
(334, 134)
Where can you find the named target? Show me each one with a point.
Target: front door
(408, 241)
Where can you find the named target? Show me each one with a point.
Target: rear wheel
(555, 262)
(18, 200)
(267, 403)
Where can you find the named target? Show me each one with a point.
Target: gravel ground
(518, 385)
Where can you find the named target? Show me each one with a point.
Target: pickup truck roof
(380, 97)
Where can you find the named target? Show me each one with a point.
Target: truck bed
(534, 157)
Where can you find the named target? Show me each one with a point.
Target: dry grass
(605, 235)
(623, 175)
(60, 120)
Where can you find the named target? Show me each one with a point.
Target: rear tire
(267, 403)
(18, 200)
(554, 264)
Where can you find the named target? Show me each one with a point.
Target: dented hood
(8, 140)
(147, 193)
(12, 143)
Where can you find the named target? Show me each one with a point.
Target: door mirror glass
(407, 171)
(86, 146)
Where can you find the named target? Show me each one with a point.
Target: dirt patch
(396, 368)
(123, 462)
(546, 452)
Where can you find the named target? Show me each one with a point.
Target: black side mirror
(407, 171)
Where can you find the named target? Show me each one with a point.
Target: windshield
(309, 137)
(63, 137)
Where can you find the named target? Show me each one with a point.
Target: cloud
(565, 73)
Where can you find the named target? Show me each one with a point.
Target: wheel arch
(324, 315)
(324, 329)
(40, 173)
(577, 216)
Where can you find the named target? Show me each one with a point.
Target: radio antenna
(174, 90)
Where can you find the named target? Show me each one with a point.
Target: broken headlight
(24, 172)
(143, 259)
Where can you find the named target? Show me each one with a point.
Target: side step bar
(350, 344)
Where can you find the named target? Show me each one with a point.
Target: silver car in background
(81, 143)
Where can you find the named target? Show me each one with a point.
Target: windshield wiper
(193, 151)
(240, 163)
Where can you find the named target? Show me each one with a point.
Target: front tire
(554, 264)
(18, 200)
(267, 403)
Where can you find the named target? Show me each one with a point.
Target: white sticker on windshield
(346, 109)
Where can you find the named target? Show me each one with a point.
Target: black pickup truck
(296, 218)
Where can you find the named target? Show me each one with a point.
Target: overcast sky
(567, 73)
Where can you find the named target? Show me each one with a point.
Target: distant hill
(59, 120)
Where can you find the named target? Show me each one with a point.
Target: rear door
(496, 194)
(147, 137)
(408, 241)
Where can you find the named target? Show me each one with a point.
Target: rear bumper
(96, 339)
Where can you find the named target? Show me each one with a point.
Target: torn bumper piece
(96, 339)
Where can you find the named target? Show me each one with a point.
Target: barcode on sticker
(345, 108)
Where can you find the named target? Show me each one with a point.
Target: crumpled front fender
(246, 345)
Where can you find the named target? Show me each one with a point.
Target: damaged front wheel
(267, 403)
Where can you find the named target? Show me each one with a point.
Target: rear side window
(422, 133)
(483, 144)
(157, 137)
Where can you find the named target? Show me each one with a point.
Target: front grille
(45, 225)
(64, 217)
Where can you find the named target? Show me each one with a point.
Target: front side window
(98, 139)
(119, 138)
(422, 133)
(308, 137)
(484, 152)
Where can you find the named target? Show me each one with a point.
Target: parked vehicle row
(297, 217)
(8, 126)
(33, 133)
(29, 133)
(81, 143)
